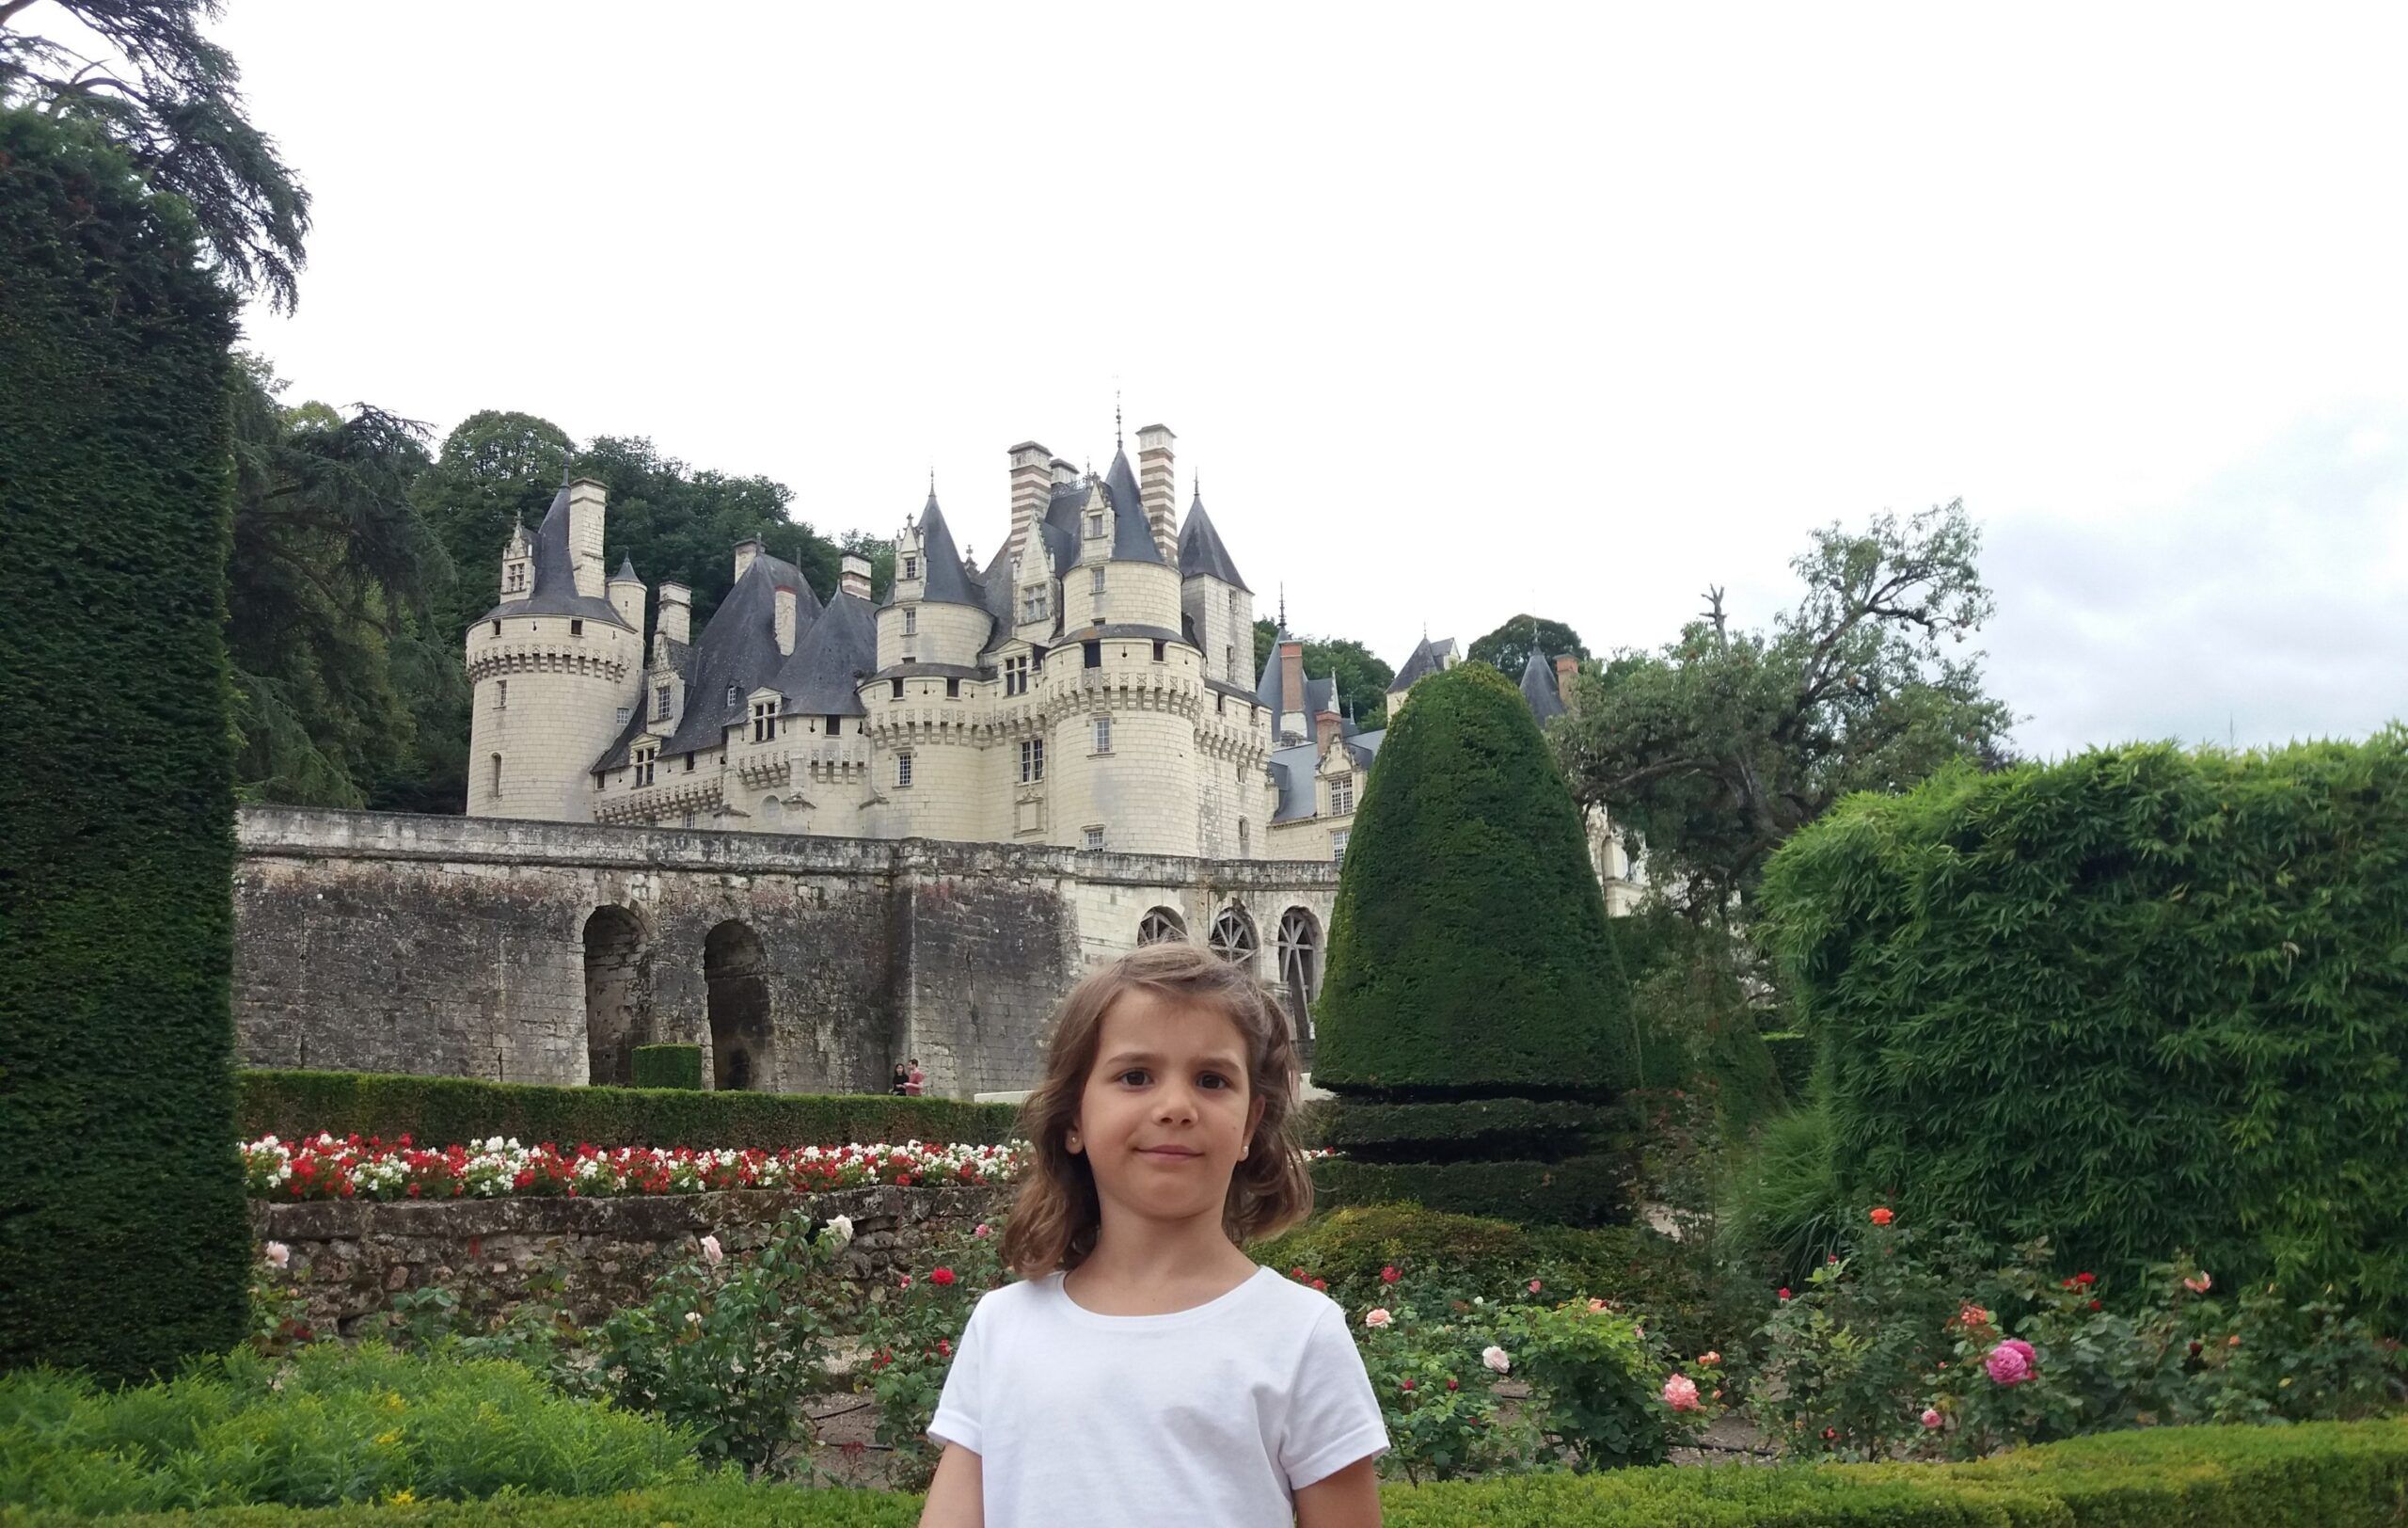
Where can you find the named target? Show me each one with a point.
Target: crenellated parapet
(503, 656)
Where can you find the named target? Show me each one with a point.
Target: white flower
(1377, 1318)
(278, 1255)
(842, 1225)
(712, 1254)
(694, 1318)
(1495, 1357)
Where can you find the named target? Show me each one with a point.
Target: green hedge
(442, 1110)
(667, 1066)
(123, 1247)
(2313, 1475)
(1467, 1128)
(1468, 950)
(1792, 1061)
(2140, 1001)
(1577, 1191)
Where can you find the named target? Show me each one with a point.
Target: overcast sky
(1459, 313)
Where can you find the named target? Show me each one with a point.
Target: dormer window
(661, 703)
(1341, 795)
(1016, 675)
(765, 720)
(1032, 604)
(645, 758)
(911, 567)
(1095, 522)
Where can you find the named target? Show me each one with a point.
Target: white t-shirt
(1213, 1416)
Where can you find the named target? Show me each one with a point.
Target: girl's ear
(1253, 1122)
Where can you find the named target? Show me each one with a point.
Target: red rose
(1407, 1385)
(942, 1276)
(1452, 1385)
(2094, 1305)
(1882, 1214)
(1387, 1275)
(1784, 1292)
(2085, 1280)
(1322, 1285)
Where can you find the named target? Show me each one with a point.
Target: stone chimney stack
(746, 551)
(783, 624)
(676, 612)
(1064, 471)
(1031, 480)
(1291, 682)
(1327, 728)
(585, 498)
(1155, 489)
(854, 580)
(1566, 669)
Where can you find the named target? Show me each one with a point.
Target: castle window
(953, 688)
(576, 629)
(1016, 675)
(690, 763)
(1230, 663)
(624, 714)
(497, 629)
(1337, 846)
(897, 692)
(1341, 795)
(1095, 523)
(911, 567)
(1245, 839)
(1032, 604)
(493, 782)
(765, 720)
(1220, 705)
(903, 768)
(735, 696)
(1103, 734)
(1094, 651)
(501, 694)
(1095, 579)
(911, 623)
(645, 759)
(1158, 651)
(1092, 839)
(835, 726)
(661, 703)
(1032, 760)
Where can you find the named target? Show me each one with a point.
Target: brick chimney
(1292, 678)
(854, 580)
(783, 623)
(1155, 489)
(1328, 727)
(1032, 477)
(585, 498)
(676, 615)
(1566, 668)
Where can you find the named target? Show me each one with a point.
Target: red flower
(942, 1276)
(1387, 1275)
(1784, 1292)
(1882, 1214)
(2094, 1305)
(2085, 1280)
(1407, 1385)
(1322, 1285)
(1452, 1385)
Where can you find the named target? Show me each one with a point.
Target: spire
(1117, 443)
(626, 568)
(1283, 607)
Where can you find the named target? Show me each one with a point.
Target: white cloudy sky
(1460, 310)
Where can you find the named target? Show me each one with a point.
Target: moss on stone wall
(122, 1241)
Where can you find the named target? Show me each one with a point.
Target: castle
(1093, 687)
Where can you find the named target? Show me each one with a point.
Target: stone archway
(735, 973)
(1160, 926)
(1300, 969)
(1233, 937)
(618, 996)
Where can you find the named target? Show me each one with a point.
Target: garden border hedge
(1589, 1190)
(2311, 1475)
(441, 1111)
(667, 1066)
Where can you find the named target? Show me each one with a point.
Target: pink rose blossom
(1680, 1393)
(712, 1252)
(2011, 1363)
(2198, 1285)
(1495, 1359)
(278, 1255)
(1931, 1417)
(1534, 1286)
(1377, 1318)
(984, 1230)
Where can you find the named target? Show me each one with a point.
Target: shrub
(116, 930)
(1786, 1208)
(298, 1104)
(1793, 1062)
(333, 1425)
(1580, 1190)
(2139, 1000)
(909, 1337)
(668, 1066)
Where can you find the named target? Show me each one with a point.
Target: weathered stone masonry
(541, 951)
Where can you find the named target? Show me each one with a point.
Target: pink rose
(1931, 1417)
(1495, 1357)
(1680, 1393)
(2198, 1285)
(278, 1255)
(712, 1252)
(1534, 1286)
(984, 1230)
(1377, 1318)
(2011, 1363)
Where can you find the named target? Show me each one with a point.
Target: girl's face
(1167, 1113)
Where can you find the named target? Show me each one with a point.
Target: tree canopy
(1363, 680)
(1711, 752)
(169, 100)
(1507, 648)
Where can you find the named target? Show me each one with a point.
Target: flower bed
(326, 1167)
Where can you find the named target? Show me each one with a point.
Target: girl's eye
(1135, 1072)
(1215, 1080)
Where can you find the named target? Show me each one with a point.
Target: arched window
(1233, 937)
(1159, 925)
(735, 976)
(1300, 967)
(616, 1003)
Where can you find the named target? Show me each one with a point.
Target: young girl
(1146, 1370)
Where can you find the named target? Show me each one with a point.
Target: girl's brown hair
(1055, 1220)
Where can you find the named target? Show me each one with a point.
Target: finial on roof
(1283, 607)
(1116, 419)
(1198, 484)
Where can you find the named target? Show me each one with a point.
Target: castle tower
(1215, 599)
(555, 669)
(922, 700)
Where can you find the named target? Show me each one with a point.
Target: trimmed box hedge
(442, 1110)
(1465, 1129)
(2313, 1476)
(1589, 1190)
(2142, 1000)
(667, 1066)
(123, 1242)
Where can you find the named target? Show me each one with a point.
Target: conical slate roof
(940, 560)
(1537, 688)
(1200, 552)
(554, 591)
(1427, 659)
(1132, 539)
(627, 570)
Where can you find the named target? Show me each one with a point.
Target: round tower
(926, 752)
(555, 669)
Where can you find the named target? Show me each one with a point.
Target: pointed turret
(941, 563)
(1132, 539)
(1200, 552)
(1539, 689)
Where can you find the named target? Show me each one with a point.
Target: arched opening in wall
(617, 1005)
(1159, 926)
(1300, 970)
(735, 973)
(1233, 938)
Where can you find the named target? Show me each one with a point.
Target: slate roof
(1427, 659)
(554, 586)
(945, 580)
(1200, 552)
(1132, 539)
(1293, 769)
(1537, 688)
(739, 647)
(842, 644)
(1320, 694)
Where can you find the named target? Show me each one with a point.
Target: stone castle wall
(541, 951)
